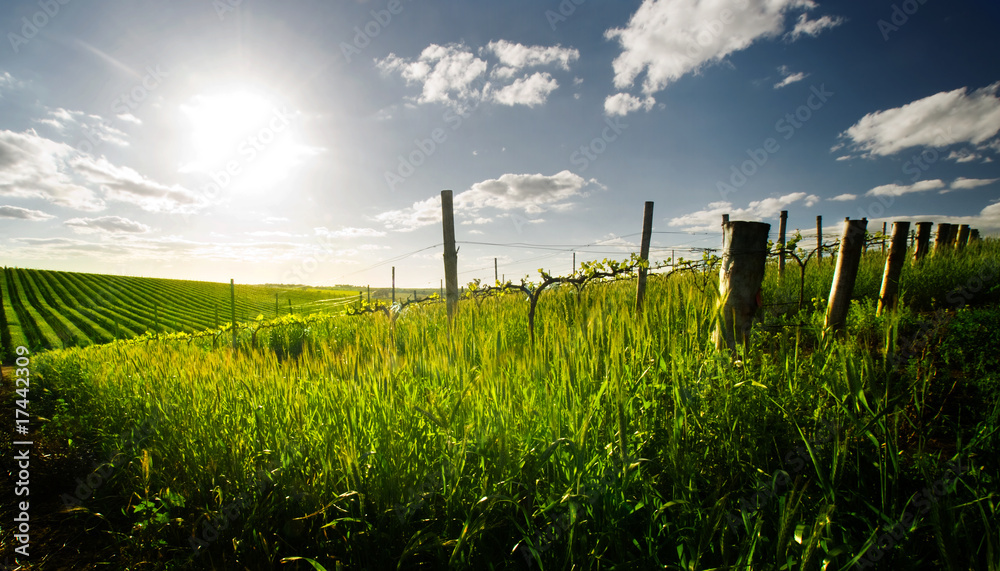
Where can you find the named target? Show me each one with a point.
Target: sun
(241, 139)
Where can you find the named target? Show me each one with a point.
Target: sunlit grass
(614, 440)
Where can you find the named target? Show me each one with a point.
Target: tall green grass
(615, 440)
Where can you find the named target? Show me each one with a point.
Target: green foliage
(612, 440)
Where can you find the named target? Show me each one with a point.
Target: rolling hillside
(44, 309)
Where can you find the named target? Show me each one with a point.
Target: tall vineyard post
(450, 252)
(232, 307)
(781, 242)
(647, 231)
(848, 262)
(893, 267)
(819, 240)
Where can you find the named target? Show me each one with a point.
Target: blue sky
(308, 142)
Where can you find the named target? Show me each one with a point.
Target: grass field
(614, 441)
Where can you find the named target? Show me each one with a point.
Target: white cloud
(349, 232)
(455, 76)
(846, 197)
(901, 189)
(789, 77)
(518, 56)
(18, 213)
(625, 103)
(124, 184)
(528, 193)
(35, 167)
(962, 183)
(806, 27)
(940, 120)
(88, 128)
(668, 40)
(447, 74)
(710, 219)
(529, 90)
(108, 224)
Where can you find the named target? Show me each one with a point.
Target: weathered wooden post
(361, 299)
(923, 238)
(394, 285)
(369, 293)
(893, 267)
(819, 240)
(496, 271)
(848, 262)
(963, 236)
(941, 239)
(232, 308)
(952, 236)
(574, 263)
(974, 235)
(740, 279)
(450, 253)
(647, 232)
(781, 241)
(883, 237)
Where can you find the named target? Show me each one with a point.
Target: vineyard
(547, 431)
(48, 309)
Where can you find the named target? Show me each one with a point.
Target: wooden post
(740, 279)
(369, 293)
(394, 284)
(819, 239)
(725, 220)
(974, 235)
(883, 235)
(963, 236)
(781, 242)
(496, 271)
(952, 235)
(232, 307)
(923, 238)
(893, 267)
(647, 232)
(361, 299)
(574, 263)
(450, 253)
(941, 240)
(848, 261)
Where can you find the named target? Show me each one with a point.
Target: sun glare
(241, 140)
